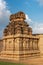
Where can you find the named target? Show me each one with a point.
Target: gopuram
(18, 42)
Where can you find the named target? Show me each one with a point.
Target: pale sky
(32, 8)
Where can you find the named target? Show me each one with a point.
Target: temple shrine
(18, 42)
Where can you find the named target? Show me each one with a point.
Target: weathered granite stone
(18, 41)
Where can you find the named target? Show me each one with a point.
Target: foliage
(8, 63)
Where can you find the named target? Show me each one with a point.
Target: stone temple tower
(18, 41)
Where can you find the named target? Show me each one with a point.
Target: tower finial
(18, 16)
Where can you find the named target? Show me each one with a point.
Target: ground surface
(34, 61)
(29, 61)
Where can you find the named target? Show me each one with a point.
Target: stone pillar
(4, 45)
(8, 45)
(35, 44)
(25, 44)
(21, 44)
(13, 44)
(16, 44)
(30, 44)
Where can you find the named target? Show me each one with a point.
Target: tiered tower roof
(17, 25)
